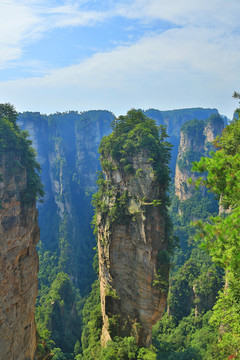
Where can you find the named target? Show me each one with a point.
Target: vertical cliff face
(89, 130)
(174, 119)
(19, 234)
(195, 141)
(191, 148)
(67, 145)
(132, 233)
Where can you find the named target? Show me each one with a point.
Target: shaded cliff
(195, 281)
(19, 234)
(173, 120)
(195, 142)
(67, 146)
(133, 228)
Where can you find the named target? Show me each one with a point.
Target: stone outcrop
(132, 247)
(19, 234)
(183, 190)
(195, 142)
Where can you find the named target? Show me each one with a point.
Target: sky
(63, 55)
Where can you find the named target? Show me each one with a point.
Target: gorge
(133, 248)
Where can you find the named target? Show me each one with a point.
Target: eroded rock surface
(19, 234)
(132, 253)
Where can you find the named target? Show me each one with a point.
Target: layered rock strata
(132, 244)
(19, 234)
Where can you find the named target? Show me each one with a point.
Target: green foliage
(223, 166)
(77, 348)
(147, 354)
(161, 282)
(112, 293)
(15, 141)
(56, 315)
(194, 285)
(196, 271)
(194, 128)
(220, 236)
(195, 280)
(120, 349)
(92, 324)
(129, 169)
(183, 213)
(58, 354)
(187, 158)
(133, 133)
(8, 112)
(117, 211)
(189, 339)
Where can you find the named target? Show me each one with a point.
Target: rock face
(174, 119)
(128, 255)
(133, 228)
(67, 146)
(195, 141)
(19, 234)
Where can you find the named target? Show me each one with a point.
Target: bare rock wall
(19, 234)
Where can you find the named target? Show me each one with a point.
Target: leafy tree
(221, 234)
(9, 112)
(58, 354)
(191, 338)
(77, 348)
(15, 142)
(57, 315)
(135, 132)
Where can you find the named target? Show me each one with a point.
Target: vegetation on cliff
(20, 185)
(129, 194)
(196, 130)
(131, 134)
(15, 141)
(195, 280)
(66, 248)
(70, 324)
(207, 334)
(221, 235)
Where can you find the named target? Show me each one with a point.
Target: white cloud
(184, 12)
(23, 22)
(15, 21)
(159, 71)
(26, 22)
(195, 63)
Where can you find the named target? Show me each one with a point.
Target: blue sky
(116, 55)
